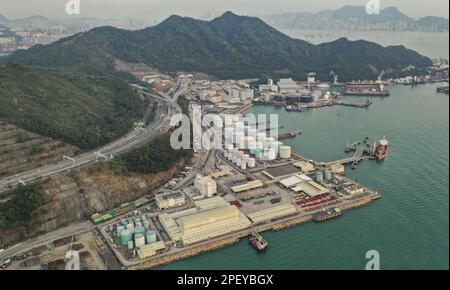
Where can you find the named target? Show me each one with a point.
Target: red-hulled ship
(382, 150)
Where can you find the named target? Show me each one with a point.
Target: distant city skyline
(154, 10)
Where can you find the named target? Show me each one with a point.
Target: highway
(135, 138)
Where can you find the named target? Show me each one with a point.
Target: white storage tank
(261, 137)
(271, 154)
(139, 240)
(285, 152)
(243, 165)
(130, 245)
(251, 162)
(238, 162)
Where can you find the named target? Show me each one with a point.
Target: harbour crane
(335, 77)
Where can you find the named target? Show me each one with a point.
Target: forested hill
(229, 46)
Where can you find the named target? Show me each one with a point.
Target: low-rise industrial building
(209, 218)
(247, 186)
(170, 200)
(272, 213)
(288, 86)
(304, 166)
(150, 250)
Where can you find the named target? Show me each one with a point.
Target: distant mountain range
(355, 18)
(229, 46)
(69, 25)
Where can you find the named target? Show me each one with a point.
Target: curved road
(133, 139)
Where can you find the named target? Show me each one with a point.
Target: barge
(327, 214)
(258, 242)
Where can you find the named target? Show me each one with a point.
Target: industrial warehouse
(208, 219)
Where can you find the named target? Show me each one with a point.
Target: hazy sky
(159, 9)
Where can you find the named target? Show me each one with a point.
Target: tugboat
(382, 149)
(258, 242)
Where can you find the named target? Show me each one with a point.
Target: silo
(139, 240)
(229, 135)
(271, 154)
(119, 230)
(327, 175)
(151, 236)
(139, 230)
(261, 137)
(238, 161)
(130, 227)
(130, 245)
(319, 176)
(125, 237)
(285, 152)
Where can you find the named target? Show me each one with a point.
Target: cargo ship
(258, 242)
(326, 214)
(382, 149)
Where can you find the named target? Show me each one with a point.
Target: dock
(363, 105)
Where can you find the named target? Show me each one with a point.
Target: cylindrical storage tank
(327, 175)
(146, 224)
(139, 240)
(251, 162)
(240, 127)
(319, 176)
(238, 162)
(130, 245)
(276, 146)
(138, 224)
(243, 165)
(125, 237)
(259, 154)
(119, 230)
(252, 133)
(270, 139)
(261, 137)
(245, 157)
(139, 230)
(151, 236)
(285, 152)
(130, 227)
(229, 135)
(271, 154)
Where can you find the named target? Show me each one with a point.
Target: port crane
(380, 76)
(335, 77)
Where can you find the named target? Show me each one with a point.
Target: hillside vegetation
(229, 46)
(78, 108)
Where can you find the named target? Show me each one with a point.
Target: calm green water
(409, 226)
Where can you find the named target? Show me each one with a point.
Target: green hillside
(77, 108)
(230, 46)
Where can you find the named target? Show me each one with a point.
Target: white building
(288, 86)
(269, 87)
(205, 185)
(311, 78)
(170, 200)
(242, 94)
